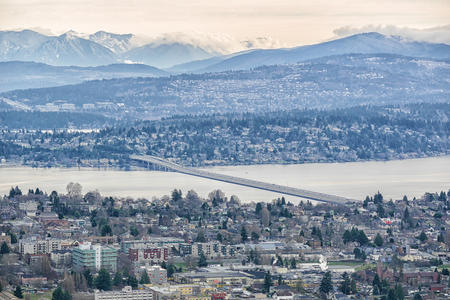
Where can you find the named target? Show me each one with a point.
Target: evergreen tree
(60, 294)
(13, 238)
(378, 240)
(293, 263)
(106, 230)
(89, 279)
(345, 286)
(144, 278)
(103, 280)
(378, 198)
(117, 281)
(380, 211)
(18, 292)
(244, 235)
(258, 208)
(376, 284)
(417, 297)
(422, 237)
(4, 249)
(202, 261)
(170, 270)
(326, 285)
(134, 231)
(132, 281)
(267, 282)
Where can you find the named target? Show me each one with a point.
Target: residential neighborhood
(90, 246)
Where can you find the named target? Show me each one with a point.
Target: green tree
(378, 240)
(4, 249)
(326, 285)
(106, 230)
(380, 211)
(422, 237)
(170, 270)
(117, 281)
(293, 263)
(88, 276)
(103, 280)
(60, 294)
(132, 281)
(134, 231)
(13, 238)
(144, 278)
(202, 260)
(417, 297)
(244, 235)
(219, 237)
(345, 286)
(258, 208)
(267, 282)
(18, 292)
(176, 195)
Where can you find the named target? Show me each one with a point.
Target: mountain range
(364, 43)
(101, 48)
(328, 82)
(180, 54)
(24, 75)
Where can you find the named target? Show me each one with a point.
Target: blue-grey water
(393, 179)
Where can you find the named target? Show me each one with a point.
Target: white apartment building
(35, 246)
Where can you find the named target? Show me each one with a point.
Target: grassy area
(366, 267)
(40, 296)
(183, 266)
(444, 267)
(345, 263)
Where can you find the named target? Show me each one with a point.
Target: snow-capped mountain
(365, 43)
(68, 49)
(103, 47)
(194, 53)
(117, 43)
(20, 45)
(167, 55)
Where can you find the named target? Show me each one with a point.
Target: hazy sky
(292, 22)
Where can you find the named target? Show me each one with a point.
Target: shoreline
(207, 167)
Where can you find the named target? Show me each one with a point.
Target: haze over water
(393, 179)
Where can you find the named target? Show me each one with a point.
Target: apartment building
(94, 257)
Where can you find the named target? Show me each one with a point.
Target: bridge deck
(243, 181)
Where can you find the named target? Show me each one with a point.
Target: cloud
(218, 43)
(440, 34)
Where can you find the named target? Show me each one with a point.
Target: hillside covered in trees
(299, 136)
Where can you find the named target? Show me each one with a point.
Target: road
(285, 190)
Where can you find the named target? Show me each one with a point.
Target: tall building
(94, 258)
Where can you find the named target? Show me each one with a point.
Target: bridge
(286, 190)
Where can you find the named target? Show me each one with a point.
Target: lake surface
(393, 179)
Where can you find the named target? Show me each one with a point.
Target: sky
(290, 22)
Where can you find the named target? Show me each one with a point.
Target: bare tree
(265, 216)
(74, 189)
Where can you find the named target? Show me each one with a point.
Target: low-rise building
(126, 293)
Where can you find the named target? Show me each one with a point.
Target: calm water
(393, 179)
